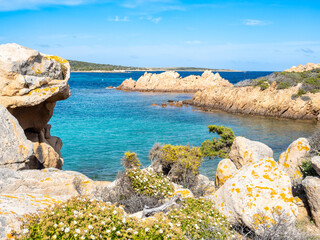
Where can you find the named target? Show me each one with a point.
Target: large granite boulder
(171, 81)
(28, 191)
(16, 151)
(30, 84)
(292, 158)
(256, 195)
(311, 187)
(315, 162)
(244, 151)
(225, 169)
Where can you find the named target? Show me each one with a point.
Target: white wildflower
(67, 230)
(92, 237)
(77, 230)
(146, 229)
(26, 230)
(90, 227)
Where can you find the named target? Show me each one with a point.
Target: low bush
(149, 183)
(180, 163)
(81, 218)
(130, 160)
(306, 169)
(218, 147)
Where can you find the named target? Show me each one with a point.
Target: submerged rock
(311, 187)
(256, 194)
(171, 81)
(292, 158)
(244, 151)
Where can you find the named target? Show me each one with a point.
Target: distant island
(79, 66)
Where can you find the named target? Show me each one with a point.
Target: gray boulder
(311, 187)
(315, 161)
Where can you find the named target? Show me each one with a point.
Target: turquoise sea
(98, 125)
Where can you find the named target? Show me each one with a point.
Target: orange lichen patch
(266, 176)
(42, 91)
(233, 184)
(249, 189)
(56, 58)
(266, 208)
(9, 196)
(285, 198)
(36, 71)
(31, 196)
(184, 193)
(47, 179)
(13, 212)
(302, 146)
(254, 174)
(86, 182)
(298, 174)
(237, 190)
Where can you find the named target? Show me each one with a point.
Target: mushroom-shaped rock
(16, 151)
(225, 169)
(311, 187)
(30, 84)
(244, 151)
(292, 158)
(315, 162)
(257, 194)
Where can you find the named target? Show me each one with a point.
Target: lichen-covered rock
(179, 189)
(244, 151)
(255, 193)
(16, 151)
(28, 191)
(292, 158)
(30, 85)
(311, 187)
(172, 82)
(315, 161)
(225, 169)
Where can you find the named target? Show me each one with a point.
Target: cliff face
(302, 68)
(30, 85)
(252, 100)
(172, 82)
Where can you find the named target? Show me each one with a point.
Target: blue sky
(243, 35)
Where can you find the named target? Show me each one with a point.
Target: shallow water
(98, 125)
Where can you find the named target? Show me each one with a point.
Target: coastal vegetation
(309, 80)
(218, 147)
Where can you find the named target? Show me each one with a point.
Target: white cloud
(193, 42)
(255, 22)
(12, 5)
(119, 19)
(155, 20)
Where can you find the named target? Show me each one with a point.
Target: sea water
(97, 125)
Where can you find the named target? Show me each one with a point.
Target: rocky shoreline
(251, 190)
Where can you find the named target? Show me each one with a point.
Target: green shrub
(218, 147)
(314, 142)
(283, 85)
(307, 169)
(301, 92)
(130, 160)
(149, 183)
(198, 219)
(81, 218)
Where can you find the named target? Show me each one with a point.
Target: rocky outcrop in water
(30, 85)
(172, 82)
(254, 101)
(303, 68)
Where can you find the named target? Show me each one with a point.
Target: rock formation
(29, 191)
(30, 85)
(311, 186)
(292, 158)
(302, 68)
(256, 195)
(225, 170)
(172, 82)
(254, 101)
(244, 151)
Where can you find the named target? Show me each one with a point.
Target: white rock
(311, 187)
(257, 189)
(292, 158)
(225, 169)
(244, 151)
(315, 161)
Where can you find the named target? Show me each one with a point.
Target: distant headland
(79, 66)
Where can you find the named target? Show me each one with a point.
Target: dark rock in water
(164, 105)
